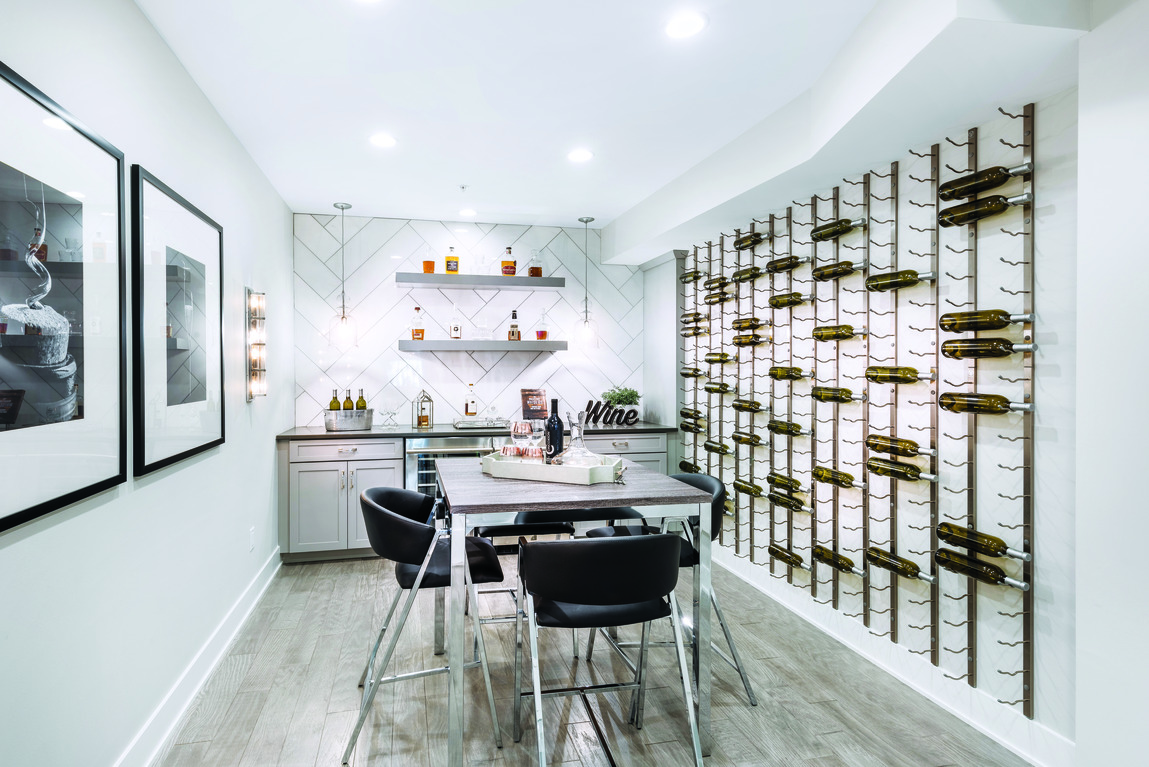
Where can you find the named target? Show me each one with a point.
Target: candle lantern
(422, 411)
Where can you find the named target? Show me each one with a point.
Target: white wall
(114, 609)
(661, 348)
(1112, 525)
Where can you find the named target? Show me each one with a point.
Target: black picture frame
(178, 372)
(65, 455)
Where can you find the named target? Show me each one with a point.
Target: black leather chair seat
(567, 615)
(687, 555)
(481, 556)
(530, 528)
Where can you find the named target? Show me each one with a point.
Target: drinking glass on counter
(521, 433)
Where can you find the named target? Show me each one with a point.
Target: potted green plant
(622, 398)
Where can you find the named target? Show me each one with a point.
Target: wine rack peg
(956, 170)
(957, 678)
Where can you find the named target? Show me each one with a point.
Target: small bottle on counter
(361, 403)
(455, 326)
(509, 269)
(348, 404)
(451, 261)
(513, 333)
(417, 325)
(470, 404)
(334, 400)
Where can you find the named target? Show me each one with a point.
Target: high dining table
(474, 499)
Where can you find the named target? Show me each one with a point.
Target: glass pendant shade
(343, 332)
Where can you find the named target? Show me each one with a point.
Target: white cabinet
(647, 450)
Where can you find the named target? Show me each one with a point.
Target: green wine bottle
(749, 240)
(335, 404)
(786, 428)
(982, 543)
(981, 181)
(692, 427)
(880, 374)
(898, 470)
(719, 358)
(747, 323)
(714, 446)
(787, 556)
(746, 438)
(836, 270)
(835, 229)
(691, 276)
(787, 501)
(835, 560)
(717, 298)
(780, 373)
(689, 467)
(693, 414)
(989, 319)
(692, 373)
(837, 332)
(895, 564)
(715, 283)
(748, 488)
(975, 568)
(981, 404)
(894, 446)
(832, 394)
(747, 405)
(690, 318)
(968, 212)
(749, 339)
(981, 348)
(906, 278)
(789, 484)
(835, 477)
(717, 387)
(693, 330)
(786, 300)
(786, 264)
(749, 274)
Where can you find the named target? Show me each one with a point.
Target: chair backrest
(717, 491)
(395, 521)
(601, 571)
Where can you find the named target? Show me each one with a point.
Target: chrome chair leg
(684, 671)
(574, 642)
(440, 613)
(590, 643)
(517, 730)
(637, 699)
(483, 658)
(536, 680)
(733, 650)
(379, 639)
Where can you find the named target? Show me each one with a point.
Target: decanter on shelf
(576, 453)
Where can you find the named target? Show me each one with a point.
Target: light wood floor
(286, 692)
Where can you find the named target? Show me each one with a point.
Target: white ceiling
(493, 94)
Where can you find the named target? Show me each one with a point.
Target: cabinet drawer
(345, 450)
(613, 444)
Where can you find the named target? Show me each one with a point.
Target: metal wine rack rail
(900, 209)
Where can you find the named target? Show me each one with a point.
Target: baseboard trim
(161, 725)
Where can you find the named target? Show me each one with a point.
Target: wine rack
(869, 269)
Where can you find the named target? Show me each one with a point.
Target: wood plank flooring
(286, 692)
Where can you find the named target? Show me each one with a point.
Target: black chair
(689, 558)
(400, 526)
(619, 582)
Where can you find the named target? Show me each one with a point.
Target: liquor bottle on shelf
(714, 446)
(746, 438)
(543, 329)
(717, 387)
(334, 405)
(690, 276)
(691, 413)
(693, 330)
(749, 339)
(981, 181)
(361, 403)
(719, 358)
(968, 212)
(535, 265)
(786, 300)
(895, 564)
(785, 264)
(835, 477)
(898, 470)
(689, 318)
(973, 567)
(988, 319)
(692, 427)
(509, 267)
(715, 283)
(749, 240)
(837, 332)
(689, 467)
(451, 261)
(470, 402)
(786, 428)
(553, 429)
(981, 404)
(717, 298)
(894, 446)
(747, 405)
(513, 333)
(789, 484)
(348, 403)
(748, 488)
(455, 325)
(748, 323)
(417, 330)
(787, 501)
(980, 348)
(835, 229)
(835, 394)
(881, 374)
(906, 278)
(782, 373)
(749, 274)
(836, 270)
(982, 543)
(835, 560)
(787, 556)
(692, 373)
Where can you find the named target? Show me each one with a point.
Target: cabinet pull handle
(348, 450)
(342, 480)
(621, 444)
(353, 479)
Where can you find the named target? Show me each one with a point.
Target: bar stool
(620, 582)
(400, 526)
(689, 558)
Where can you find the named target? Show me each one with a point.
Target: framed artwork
(63, 329)
(177, 271)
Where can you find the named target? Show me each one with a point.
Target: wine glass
(538, 432)
(521, 432)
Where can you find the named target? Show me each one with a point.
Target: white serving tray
(509, 467)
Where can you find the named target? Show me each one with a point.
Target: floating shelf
(178, 345)
(477, 281)
(61, 269)
(471, 345)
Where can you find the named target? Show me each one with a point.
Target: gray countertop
(447, 430)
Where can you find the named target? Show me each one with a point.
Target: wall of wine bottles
(858, 370)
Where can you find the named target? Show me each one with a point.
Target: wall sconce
(256, 342)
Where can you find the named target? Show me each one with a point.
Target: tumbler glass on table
(521, 433)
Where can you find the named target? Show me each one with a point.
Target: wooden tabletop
(468, 490)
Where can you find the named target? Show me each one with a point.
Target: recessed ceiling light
(685, 24)
(467, 213)
(580, 155)
(57, 123)
(385, 140)
(75, 195)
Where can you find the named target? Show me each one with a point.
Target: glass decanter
(576, 453)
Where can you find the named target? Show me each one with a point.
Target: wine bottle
(981, 181)
(980, 348)
(785, 264)
(348, 403)
(988, 319)
(836, 332)
(717, 387)
(788, 428)
(982, 543)
(831, 394)
(749, 274)
(749, 339)
(691, 276)
(693, 330)
(836, 560)
(745, 438)
(780, 373)
(692, 427)
(898, 470)
(748, 488)
(553, 429)
(968, 212)
(334, 401)
(785, 300)
(689, 467)
(748, 323)
(715, 283)
(835, 477)
(972, 567)
(906, 278)
(895, 564)
(689, 318)
(787, 556)
(836, 270)
(787, 501)
(714, 446)
(880, 374)
(691, 413)
(894, 446)
(361, 403)
(749, 240)
(835, 229)
(747, 405)
(789, 484)
(719, 358)
(981, 404)
(692, 373)
(717, 298)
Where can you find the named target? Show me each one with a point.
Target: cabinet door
(318, 508)
(652, 461)
(362, 475)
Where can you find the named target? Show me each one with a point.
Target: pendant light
(587, 330)
(342, 332)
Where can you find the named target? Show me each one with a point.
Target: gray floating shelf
(178, 345)
(477, 281)
(471, 345)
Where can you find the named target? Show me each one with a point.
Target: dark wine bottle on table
(969, 212)
(836, 270)
(975, 568)
(982, 348)
(553, 429)
(836, 332)
(981, 404)
(989, 319)
(906, 278)
(835, 229)
(981, 181)
(982, 543)
(895, 564)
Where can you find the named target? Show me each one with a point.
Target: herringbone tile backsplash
(377, 248)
